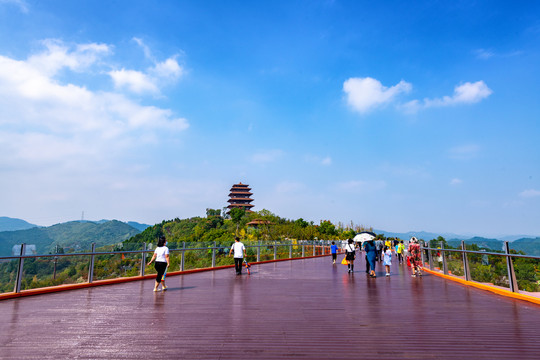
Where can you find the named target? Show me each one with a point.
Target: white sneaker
(387, 274)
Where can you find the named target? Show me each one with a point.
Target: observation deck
(299, 309)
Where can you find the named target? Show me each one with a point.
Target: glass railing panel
(489, 269)
(8, 274)
(527, 274)
(454, 261)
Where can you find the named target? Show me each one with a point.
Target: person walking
(399, 251)
(379, 246)
(414, 251)
(239, 251)
(350, 255)
(371, 256)
(333, 250)
(387, 259)
(162, 262)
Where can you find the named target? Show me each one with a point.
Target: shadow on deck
(306, 309)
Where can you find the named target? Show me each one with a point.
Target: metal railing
(268, 250)
(446, 252)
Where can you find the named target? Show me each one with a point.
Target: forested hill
(11, 224)
(72, 236)
(530, 246)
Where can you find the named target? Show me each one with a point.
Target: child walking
(387, 259)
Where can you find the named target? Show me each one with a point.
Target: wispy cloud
(464, 152)
(484, 54)
(21, 4)
(267, 156)
(361, 186)
(365, 94)
(150, 80)
(54, 121)
(530, 193)
(325, 161)
(286, 187)
(456, 181)
(467, 93)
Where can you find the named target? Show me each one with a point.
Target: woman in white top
(350, 251)
(161, 255)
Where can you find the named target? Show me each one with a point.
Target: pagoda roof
(240, 192)
(240, 199)
(258, 222)
(240, 205)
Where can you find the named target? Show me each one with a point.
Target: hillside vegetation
(72, 236)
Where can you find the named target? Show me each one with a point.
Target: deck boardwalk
(302, 309)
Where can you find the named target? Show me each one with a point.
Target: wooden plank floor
(302, 309)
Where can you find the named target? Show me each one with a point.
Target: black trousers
(160, 268)
(238, 265)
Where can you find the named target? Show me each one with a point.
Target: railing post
(259, 252)
(55, 261)
(313, 243)
(430, 257)
(290, 250)
(466, 268)
(214, 255)
(303, 249)
(510, 266)
(143, 259)
(444, 264)
(275, 250)
(183, 258)
(422, 252)
(91, 266)
(18, 281)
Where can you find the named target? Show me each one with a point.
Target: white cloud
(150, 80)
(168, 69)
(356, 186)
(267, 156)
(365, 94)
(530, 193)
(325, 161)
(456, 181)
(21, 4)
(58, 55)
(464, 152)
(286, 187)
(46, 121)
(483, 54)
(135, 81)
(467, 93)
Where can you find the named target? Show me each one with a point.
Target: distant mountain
(493, 244)
(11, 224)
(138, 226)
(528, 245)
(515, 237)
(419, 234)
(72, 236)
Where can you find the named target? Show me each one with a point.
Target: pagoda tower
(240, 197)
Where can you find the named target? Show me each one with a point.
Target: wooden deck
(302, 309)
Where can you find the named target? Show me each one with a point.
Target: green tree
(236, 215)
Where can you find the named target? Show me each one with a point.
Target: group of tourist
(379, 251)
(374, 251)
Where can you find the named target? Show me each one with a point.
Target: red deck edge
(57, 288)
(492, 289)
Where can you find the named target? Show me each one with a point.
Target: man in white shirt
(239, 252)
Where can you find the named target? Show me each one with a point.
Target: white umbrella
(364, 236)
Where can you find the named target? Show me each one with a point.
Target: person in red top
(415, 256)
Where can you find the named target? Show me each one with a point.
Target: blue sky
(404, 116)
